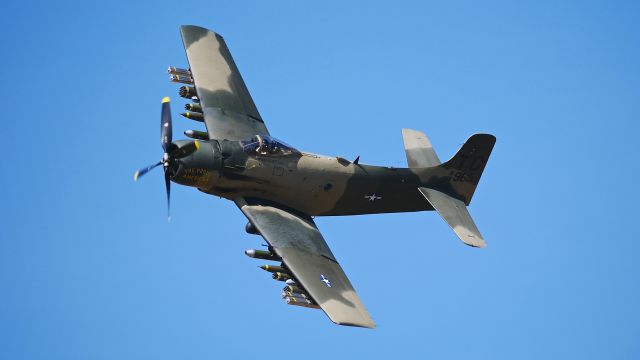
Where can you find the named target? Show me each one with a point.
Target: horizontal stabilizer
(455, 213)
(420, 153)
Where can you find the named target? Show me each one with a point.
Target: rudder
(459, 176)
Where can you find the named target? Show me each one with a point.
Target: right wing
(229, 111)
(420, 153)
(295, 238)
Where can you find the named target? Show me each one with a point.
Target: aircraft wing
(229, 111)
(296, 239)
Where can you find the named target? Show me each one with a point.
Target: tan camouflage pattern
(420, 153)
(455, 214)
(280, 193)
(297, 240)
(229, 110)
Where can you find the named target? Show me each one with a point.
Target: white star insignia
(373, 197)
(325, 280)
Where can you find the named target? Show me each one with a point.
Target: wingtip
(477, 244)
(365, 324)
(197, 28)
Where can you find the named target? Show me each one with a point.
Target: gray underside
(420, 152)
(455, 214)
(278, 192)
(229, 110)
(304, 251)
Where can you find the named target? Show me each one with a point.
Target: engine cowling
(199, 169)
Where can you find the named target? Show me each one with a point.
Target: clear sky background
(90, 268)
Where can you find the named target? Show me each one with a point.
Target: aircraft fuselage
(313, 184)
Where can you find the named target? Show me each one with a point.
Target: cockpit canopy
(267, 146)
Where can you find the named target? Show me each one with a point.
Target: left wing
(229, 111)
(295, 238)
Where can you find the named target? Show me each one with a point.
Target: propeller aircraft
(280, 189)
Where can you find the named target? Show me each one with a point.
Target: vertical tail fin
(459, 176)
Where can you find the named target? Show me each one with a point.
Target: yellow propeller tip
(197, 143)
(135, 176)
(165, 99)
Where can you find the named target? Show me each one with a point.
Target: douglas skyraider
(279, 188)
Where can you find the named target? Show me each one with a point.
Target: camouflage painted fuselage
(312, 184)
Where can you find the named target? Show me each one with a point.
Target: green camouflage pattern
(280, 190)
(319, 185)
(229, 110)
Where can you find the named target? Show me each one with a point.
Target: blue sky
(90, 269)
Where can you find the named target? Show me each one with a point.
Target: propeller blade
(186, 150)
(167, 182)
(166, 135)
(143, 171)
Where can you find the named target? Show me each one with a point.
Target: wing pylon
(311, 265)
(228, 109)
